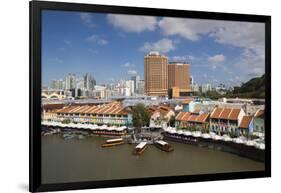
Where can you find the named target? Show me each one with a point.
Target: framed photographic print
(125, 96)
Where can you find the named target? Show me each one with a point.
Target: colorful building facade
(226, 120)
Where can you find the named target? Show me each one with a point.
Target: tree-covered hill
(254, 88)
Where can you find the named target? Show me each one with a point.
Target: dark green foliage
(141, 116)
(66, 121)
(254, 88)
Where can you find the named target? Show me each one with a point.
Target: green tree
(140, 115)
(66, 121)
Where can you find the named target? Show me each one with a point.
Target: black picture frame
(36, 7)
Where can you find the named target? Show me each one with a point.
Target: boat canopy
(141, 145)
(114, 140)
(161, 142)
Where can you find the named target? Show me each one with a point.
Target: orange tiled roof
(112, 108)
(67, 109)
(181, 115)
(259, 113)
(203, 117)
(216, 113)
(234, 114)
(187, 116)
(246, 120)
(225, 113)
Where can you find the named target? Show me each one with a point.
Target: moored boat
(113, 142)
(139, 149)
(163, 146)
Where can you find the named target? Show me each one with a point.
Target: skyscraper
(156, 74)
(89, 81)
(136, 79)
(70, 81)
(179, 76)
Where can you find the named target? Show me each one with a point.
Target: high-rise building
(70, 81)
(191, 80)
(156, 74)
(89, 81)
(179, 76)
(136, 79)
(140, 87)
(57, 84)
(129, 88)
(206, 88)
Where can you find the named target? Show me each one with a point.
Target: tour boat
(163, 146)
(113, 142)
(139, 149)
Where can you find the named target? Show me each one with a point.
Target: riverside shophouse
(109, 114)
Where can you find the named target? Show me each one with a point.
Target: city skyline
(218, 51)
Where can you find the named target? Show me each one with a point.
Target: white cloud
(102, 42)
(132, 72)
(92, 38)
(97, 39)
(216, 58)
(246, 35)
(131, 23)
(184, 58)
(86, 18)
(128, 65)
(190, 29)
(251, 63)
(163, 46)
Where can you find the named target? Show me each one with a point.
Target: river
(85, 160)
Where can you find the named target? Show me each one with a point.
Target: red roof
(216, 113)
(112, 108)
(203, 117)
(187, 116)
(225, 113)
(234, 114)
(259, 113)
(246, 120)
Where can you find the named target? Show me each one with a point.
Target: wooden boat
(163, 146)
(113, 142)
(139, 149)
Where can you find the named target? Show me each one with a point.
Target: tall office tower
(89, 82)
(70, 81)
(156, 74)
(179, 76)
(136, 79)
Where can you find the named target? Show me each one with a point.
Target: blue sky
(112, 47)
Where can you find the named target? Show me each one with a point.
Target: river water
(85, 160)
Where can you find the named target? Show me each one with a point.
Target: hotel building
(156, 74)
(179, 76)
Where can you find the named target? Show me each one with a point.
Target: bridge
(53, 94)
